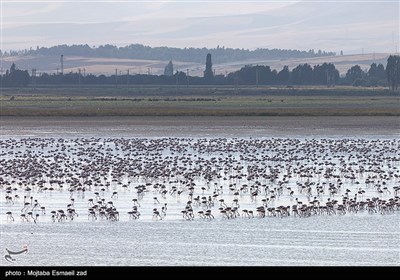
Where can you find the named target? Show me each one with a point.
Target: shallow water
(354, 239)
(330, 240)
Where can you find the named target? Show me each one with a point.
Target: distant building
(169, 69)
(208, 73)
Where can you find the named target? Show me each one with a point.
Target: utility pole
(127, 77)
(116, 77)
(236, 82)
(327, 78)
(62, 64)
(34, 78)
(79, 77)
(394, 42)
(187, 77)
(256, 76)
(176, 81)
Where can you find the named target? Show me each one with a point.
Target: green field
(199, 101)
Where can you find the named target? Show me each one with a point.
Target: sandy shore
(382, 126)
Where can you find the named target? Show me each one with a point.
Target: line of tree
(375, 76)
(303, 74)
(15, 77)
(393, 71)
(139, 51)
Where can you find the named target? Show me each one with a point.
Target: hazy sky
(328, 25)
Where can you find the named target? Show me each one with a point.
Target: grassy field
(199, 101)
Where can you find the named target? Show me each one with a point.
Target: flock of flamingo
(108, 179)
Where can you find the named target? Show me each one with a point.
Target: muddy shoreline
(382, 126)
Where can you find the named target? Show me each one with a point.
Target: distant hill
(142, 59)
(196, 55)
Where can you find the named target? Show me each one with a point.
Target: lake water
(121, 155)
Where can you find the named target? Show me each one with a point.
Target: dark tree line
(304, 74)
(15, 77)
(393, 71)
(375, 76)
(138, 51)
